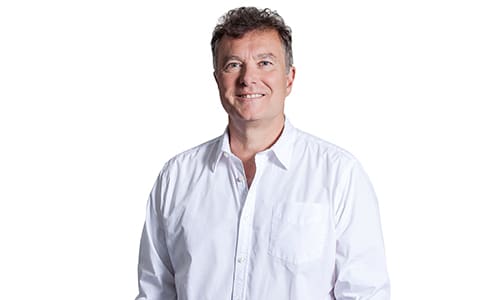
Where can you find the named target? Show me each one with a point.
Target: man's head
(253, 65)
(239, 21)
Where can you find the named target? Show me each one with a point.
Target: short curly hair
(236, 22)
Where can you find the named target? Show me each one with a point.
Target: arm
(360, 267)
(156, 276)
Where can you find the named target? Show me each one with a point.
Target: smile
(250, 96)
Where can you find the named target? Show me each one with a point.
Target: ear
(216, 78)
(290, 77)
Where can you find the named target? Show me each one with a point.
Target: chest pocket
(298, 231)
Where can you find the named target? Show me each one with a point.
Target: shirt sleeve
(155, 272)
(360, 265)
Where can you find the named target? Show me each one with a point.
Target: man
(265, 211)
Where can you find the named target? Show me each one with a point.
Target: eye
(265, 63)
(232, 66)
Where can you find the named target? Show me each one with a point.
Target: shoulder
(339, 165)
(198, 155)
(321, 148)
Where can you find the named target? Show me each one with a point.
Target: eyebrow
(230, 57)
(266, 55)
(259, 56)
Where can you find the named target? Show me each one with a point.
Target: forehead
(255, 42)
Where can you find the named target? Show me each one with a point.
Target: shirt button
(239, 179)
(225, 154)
(241, 260)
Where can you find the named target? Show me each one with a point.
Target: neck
(249, 138)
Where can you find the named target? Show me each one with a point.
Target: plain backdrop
(95, 96)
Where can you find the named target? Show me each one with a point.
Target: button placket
(243, 248)
(245, 232)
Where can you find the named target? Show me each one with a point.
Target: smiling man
(265, 211)
(254, 78)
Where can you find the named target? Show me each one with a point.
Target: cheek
(276, 81)
(227, 84)
(279, 85)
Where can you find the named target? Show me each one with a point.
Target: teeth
(251, 96)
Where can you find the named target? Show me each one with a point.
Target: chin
(248, 116)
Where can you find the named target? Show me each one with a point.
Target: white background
(96, 95)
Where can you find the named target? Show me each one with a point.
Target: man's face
(252, 77)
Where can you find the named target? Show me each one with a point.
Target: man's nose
(248, 75)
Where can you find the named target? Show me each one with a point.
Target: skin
(253, 81)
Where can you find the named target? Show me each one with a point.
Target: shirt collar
(282, 149)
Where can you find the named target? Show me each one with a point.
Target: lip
(249, 96)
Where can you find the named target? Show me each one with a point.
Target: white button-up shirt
(307, 228)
